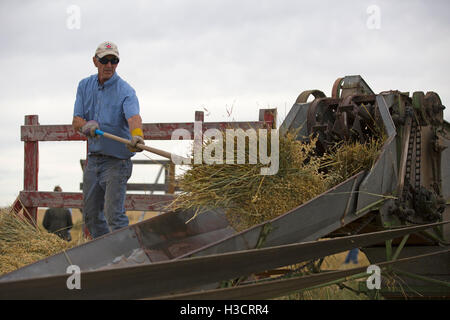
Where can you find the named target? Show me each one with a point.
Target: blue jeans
(104, 190)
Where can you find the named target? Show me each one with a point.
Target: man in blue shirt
(104, 101)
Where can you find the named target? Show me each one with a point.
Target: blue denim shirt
(111, 105)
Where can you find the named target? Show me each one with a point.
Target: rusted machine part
(345, 117)
(418, 100)
(320, 119)
(335, 120)
(341, 126)
(419, 177)
(351, 115)
(354, 120)
(406, 144)
(323, 117)
(303, 97)
(350, 85)
(319, 113)
(429, 108)
(336, 90)
(434, 108)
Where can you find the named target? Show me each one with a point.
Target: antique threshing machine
(396, 213)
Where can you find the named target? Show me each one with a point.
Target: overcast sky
(183, 56)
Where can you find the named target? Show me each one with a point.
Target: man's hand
(135, 124)
(89, 128)
(134, 141)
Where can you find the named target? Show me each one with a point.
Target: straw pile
(348, 158)
(21, 243)
(250, 198)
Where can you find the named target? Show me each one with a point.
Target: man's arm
(135, 122)
(78, 111)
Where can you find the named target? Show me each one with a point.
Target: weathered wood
(171, 181)
(32, 132)
(199, 116)
(155, 202)
(268, 117)
(145, 187)
(31, 165)
(50, 133)
(244, 125)
(152, 131)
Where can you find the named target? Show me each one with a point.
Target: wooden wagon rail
(32, 132)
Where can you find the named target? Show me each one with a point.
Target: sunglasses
(105, 60)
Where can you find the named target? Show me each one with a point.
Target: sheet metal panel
(445, 175)
(383, 103)
(310, 221)
(317, 217)
(89, 256)
(276, 288)
(382, 178)
(445, 164)
(436, 266)
(265, 290)
(296, 120)
(173, 248)
(164, 278)
(162, 237)
(173, 225)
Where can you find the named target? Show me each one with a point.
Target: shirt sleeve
(131, 105)
(79, 106)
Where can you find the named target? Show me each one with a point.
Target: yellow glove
(137, 137)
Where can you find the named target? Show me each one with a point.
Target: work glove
(137, 137)
(89, 128)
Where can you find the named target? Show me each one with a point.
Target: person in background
(352, 256)
(58, 220)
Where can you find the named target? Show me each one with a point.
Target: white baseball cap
(106, 48)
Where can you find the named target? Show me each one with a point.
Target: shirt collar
(108, 82)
